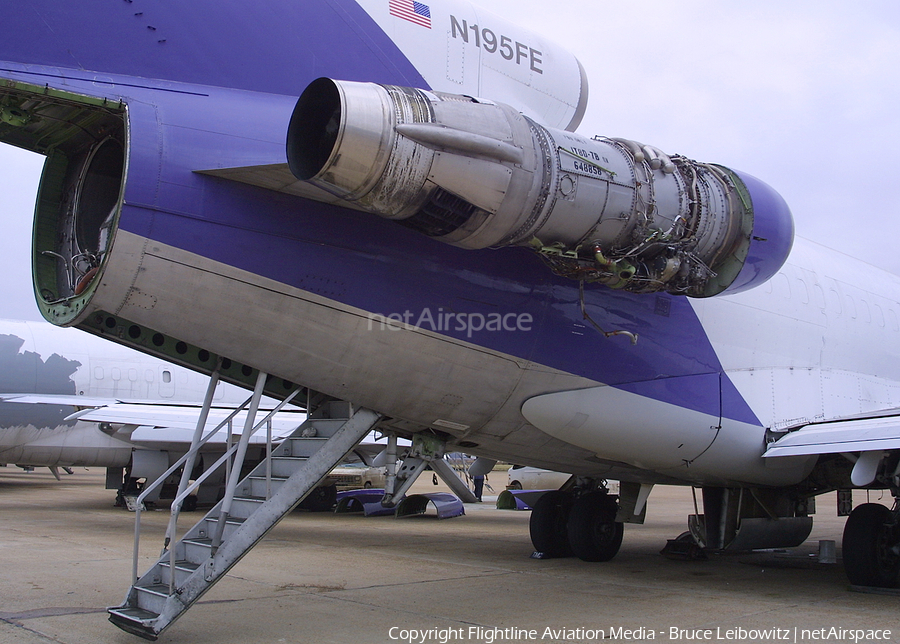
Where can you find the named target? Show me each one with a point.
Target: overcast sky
(803, 95)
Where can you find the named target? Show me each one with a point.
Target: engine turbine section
(476, 174)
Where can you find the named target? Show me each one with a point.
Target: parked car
(523, 477)
(353, 476)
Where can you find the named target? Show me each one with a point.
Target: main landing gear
(871, 546)
(563, 524)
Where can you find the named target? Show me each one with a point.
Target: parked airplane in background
(149, 407)
(423, 234)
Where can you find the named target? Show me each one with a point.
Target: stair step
(134, 620)
(244, 506)
(161, 590)
(152, 598)
(183, 570)
(133, 614)
(182, 564)
(326, 427)
(284, 466)
(197, 549)
(231, 524)
(234, 520)
(302, 447)
(257, 485)
(150, 609)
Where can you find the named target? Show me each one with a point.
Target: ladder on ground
(190, 566)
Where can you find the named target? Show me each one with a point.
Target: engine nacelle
(478, 174)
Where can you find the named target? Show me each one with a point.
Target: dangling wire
(607, 334)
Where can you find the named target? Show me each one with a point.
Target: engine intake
(476, 174)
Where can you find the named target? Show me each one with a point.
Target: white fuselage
(38, 358)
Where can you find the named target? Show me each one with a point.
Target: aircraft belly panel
(406, 372)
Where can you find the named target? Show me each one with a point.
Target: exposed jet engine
(476, 174)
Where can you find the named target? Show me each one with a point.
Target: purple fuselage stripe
(263, 46)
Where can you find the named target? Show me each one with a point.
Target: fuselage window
(802, 291)
(866, 314)
(834, 300)
(819, 295)
(851, 306)
(879, 315)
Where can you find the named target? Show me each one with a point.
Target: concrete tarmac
(65, 555)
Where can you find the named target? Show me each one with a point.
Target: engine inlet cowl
(476, 174)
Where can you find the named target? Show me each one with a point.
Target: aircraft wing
(58, 399)
(155, 422)
(870, 437)
(182, 417)
(842, 436)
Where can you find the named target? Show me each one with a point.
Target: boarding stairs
(250, 508)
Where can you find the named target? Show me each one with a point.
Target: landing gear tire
(321, 499)
(869, 547)
(548, 524)
(594, 534)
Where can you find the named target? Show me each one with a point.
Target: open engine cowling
(478, 174)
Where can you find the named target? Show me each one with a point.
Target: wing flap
(181, 417)
(57, 399)
(855, 435)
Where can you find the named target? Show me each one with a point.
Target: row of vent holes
(158, 339)
(181, 348)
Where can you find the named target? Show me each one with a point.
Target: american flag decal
(413, 11)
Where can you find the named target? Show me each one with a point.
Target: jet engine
(476, 174)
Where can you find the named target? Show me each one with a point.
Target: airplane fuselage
(43, 361)
(486, 347)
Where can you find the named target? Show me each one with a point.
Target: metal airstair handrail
(149, 488)
(235, 474)
(176, 504)
(237, 466)
(192, 451)
(202, 419)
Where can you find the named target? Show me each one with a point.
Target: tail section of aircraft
(531, 307)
